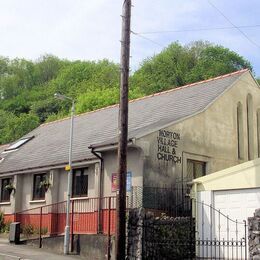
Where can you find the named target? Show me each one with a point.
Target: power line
(146, 38)
(200, 29)
(141, 34)
(249, 39)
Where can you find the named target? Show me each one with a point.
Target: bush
(4, 226)
(2, 223)
(44, 230)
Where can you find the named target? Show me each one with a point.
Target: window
(80, 183)
(18, 144)
(258, 130)
(240, 135)
(38, 191)
(250, 133)
(5, 194)
(195, 169)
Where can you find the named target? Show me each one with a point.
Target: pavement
(24, 252)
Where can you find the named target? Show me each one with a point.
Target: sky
(91, 29)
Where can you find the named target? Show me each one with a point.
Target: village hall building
(176, 135)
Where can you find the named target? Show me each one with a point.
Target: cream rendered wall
(242, 176)
(210, 136)
(27, 193)
(92, 183)
(134, 164)
(22, 199)
(8, 207)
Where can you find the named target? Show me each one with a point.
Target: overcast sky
(90, 29)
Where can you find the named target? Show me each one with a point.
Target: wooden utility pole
(123, 132)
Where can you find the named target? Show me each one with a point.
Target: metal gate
(218, 236)
(212, 236)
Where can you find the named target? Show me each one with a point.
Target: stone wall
(254, 235)
(135, 233)
(157, 237)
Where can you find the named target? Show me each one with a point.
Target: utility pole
(123, 132)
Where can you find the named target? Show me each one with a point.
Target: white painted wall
(92, 183)
(134, 164)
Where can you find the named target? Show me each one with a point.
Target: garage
(222, 203)
(237, 204)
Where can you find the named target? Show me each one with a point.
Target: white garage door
(237, 204)
(223, 222)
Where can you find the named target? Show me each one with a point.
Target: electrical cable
(249, 39)
(200, 29)
(146, 38)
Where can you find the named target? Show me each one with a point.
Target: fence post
(40, 230)
(108, 230)
(191, 232)
(72, 226)
(100, 217)
(245, 239)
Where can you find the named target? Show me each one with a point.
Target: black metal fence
(174, 200)
(169, 231)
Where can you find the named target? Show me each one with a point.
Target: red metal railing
(87, 216)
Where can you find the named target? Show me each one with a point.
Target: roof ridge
(152, 95)
(190, 85)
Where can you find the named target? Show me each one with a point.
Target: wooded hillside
(27, 87)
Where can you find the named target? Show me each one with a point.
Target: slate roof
(3, 147)
(51, 143)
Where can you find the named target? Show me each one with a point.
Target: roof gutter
(109, 146)
(48, 167)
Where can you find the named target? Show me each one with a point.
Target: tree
(43, 108)
(178, 65)
(27, 87)
(47, 68)
(14, 127)
(165, 70)
(92, 100)
(216, 60)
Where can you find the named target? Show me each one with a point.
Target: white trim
(80, 198)
(5, 203)
(37, 201)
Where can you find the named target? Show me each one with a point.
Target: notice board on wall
(114, 185)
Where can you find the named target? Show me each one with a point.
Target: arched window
(250, 127)
(240, 132)
(258, 131)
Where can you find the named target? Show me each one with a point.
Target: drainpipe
(100, 189)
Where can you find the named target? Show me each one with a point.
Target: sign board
(128, 182)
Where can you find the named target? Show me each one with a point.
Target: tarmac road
(24, 252)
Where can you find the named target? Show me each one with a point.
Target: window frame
(258, 131)
(34, 191)
(83, 171)
(16, 145)
(250, 127)
(240, 132)
(198, 162)
(5, 191)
